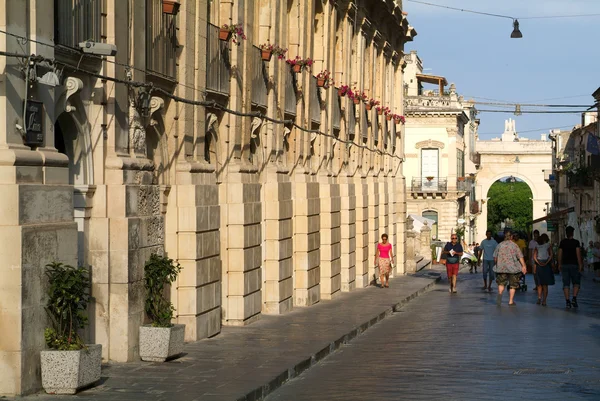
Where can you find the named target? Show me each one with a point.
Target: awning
(553, 215)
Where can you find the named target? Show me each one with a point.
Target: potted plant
(372, 102)
(324, 79)
(388, 115)
(69, 364)
(356, 96)
(279, 52)
(383, 110)
(236, 32)
(161, 339)
(171, 7)
(461, 178)
(430, 178)
(399, 119)
(343, 90)
(266, 50)
(298, 64)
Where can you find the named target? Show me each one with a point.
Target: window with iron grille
(77, 21)
(161, 40)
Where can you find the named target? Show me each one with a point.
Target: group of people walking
(506, 263)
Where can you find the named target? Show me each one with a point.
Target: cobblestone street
(463, 347)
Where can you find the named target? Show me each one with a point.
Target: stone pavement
(464, 347)
(246, 363)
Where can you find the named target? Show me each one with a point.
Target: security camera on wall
(98, 49)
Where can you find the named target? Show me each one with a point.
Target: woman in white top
(542, 256)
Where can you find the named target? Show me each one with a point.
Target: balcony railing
(77, 21)
(161, 40)
(578, 181)
(290, 93)
(315, 101)
(429, 184)
(259, 79)
(217, 68)
(463, 185)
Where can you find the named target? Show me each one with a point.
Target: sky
(554, 63)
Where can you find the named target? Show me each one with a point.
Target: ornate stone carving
(430, 144)
(73, 85)
(156, 104)
(137, 132)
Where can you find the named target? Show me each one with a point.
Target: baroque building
(129, 129)
(440, 166)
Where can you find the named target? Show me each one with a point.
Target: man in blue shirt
(488, 246)
(452, 253)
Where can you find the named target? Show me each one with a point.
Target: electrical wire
(500, 15)
(528, 131)
(203, 103)
(534, 111)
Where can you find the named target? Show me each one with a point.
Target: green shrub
(159, 271)
(68, 297)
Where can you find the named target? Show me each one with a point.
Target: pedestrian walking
(384, 258)
(488, 246)
(452, 252)
(596, 262)
(477, 251)
(542, 269)
(531, 248)
(509, 267)
(570, 264)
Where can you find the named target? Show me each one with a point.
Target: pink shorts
(452, 269)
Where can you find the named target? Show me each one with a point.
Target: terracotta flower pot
(297, 68)
(320, 82)
(170, 7)
(266, 55)
(461, 178)
(356, 100)
(341, 92)
(379, 112)
(388, 117)
(396, 121)
(368, 106)
(224, 34)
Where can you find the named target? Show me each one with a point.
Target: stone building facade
(441, 129)
(276, 205)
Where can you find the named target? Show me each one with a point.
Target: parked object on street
(70, 364)
(161, 339)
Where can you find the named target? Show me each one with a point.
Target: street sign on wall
(552, 225)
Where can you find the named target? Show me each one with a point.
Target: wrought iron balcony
(259, 79)
(161, 41)
(77, 21)
(463, 185)
(429, 184)
(218, 66)
(580, 181)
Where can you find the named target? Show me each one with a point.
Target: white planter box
(159, 343)
(65, 372)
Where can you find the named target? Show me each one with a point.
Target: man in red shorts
(452, 253)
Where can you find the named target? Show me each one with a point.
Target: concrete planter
(65, 372)
(157, 344)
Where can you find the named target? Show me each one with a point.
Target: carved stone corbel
(156, 104)
(73, 85)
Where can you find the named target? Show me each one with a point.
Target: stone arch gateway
(524, 159)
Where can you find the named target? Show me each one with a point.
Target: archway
(509, 205)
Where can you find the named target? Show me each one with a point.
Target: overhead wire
(204, 103)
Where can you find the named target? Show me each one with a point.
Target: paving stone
(247, 362)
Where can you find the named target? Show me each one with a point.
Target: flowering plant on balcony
(232, 31)
(383, 110)
(398, 119)
(298, 64)
(356, 96)
(269, 49)
(370, 103)
(343, 90)
(279, 52)
(324, 79)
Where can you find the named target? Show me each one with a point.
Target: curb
(261, 392)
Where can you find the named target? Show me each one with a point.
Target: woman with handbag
(384, 258)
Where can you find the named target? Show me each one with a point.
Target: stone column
(348, 234)
(374, 197)
(363, 259)
(330, 234)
